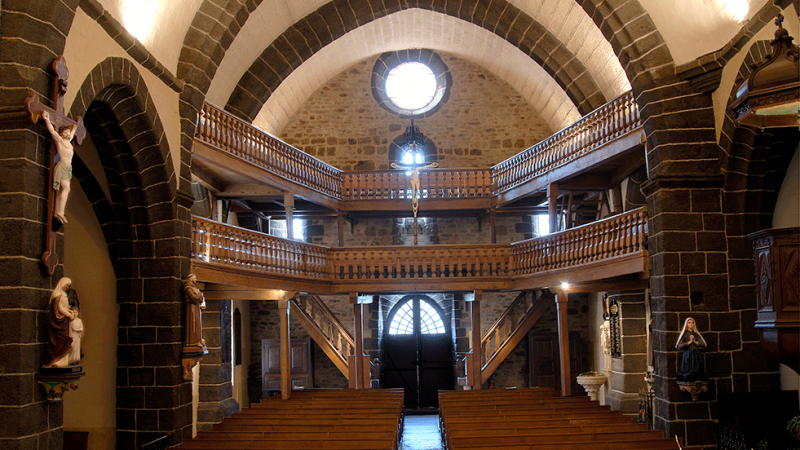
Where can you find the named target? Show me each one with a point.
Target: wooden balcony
(608, 253)
(238, 161)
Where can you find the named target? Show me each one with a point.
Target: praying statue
(60, 346)
(63, 171)
(692, 343)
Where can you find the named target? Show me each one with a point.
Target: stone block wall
(483, 122)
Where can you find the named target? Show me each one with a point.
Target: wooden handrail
(433, 184)
(226, 245)
(238, 247)
(222, 130)
(219, 129)
(614, 119)
(504, 325)
(615, 236)
(337, 339)
(423, 261)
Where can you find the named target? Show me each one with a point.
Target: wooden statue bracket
(35, 108)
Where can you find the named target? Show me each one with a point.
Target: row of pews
(347, 419)
(528, 419)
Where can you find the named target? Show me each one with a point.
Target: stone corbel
(58, 380)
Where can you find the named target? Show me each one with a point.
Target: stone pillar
(628, 370)
(216, 389)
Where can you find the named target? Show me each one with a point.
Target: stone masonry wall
(483, 122)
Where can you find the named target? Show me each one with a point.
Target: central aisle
(421, 433)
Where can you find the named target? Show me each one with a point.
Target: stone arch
(211, 33)
(753, 161)
(145, 228)
(332, 20)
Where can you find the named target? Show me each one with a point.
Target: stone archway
(144, 233)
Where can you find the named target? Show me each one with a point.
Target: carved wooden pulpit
(59, 119)
(777, 260)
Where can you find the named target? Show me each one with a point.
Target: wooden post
(552, 201)
(341, 229)
(475, 337)
(563, 342)
(492, 226)
(286, 381)
(288, 204)
(568, 221)
(358, 342)
(616, 193)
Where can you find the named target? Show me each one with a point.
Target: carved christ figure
(414, 181)
(63, 171)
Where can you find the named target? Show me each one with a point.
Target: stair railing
(325, 329)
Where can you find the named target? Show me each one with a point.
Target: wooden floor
(529, 419)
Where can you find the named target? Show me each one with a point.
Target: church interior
(587, 197)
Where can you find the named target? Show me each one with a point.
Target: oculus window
(411, 83)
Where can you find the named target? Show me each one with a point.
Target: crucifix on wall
(63, 130)
(414, 180)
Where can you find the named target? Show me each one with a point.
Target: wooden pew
(527, 419)
(311, 420)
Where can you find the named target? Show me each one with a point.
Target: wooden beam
(563, 342)
(340, 222)
(252, 191)
(475, 337)
(206, 180)
(286, 380)
(226, 292)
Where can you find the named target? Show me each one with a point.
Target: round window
(410, 83)
(411, 86)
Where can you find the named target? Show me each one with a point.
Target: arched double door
(418, 351)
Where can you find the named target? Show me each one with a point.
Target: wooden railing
(610, 121)
(338, 340)
(221, 130)
(425, 262)
(624, 234)
(506, 325)
(605, 239)
(237, 247)
(433, 184)
(511, 328)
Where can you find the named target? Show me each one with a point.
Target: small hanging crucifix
(62, 129)
(415, 189)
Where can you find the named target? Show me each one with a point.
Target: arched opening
(418, 351)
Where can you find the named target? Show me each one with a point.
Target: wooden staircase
(511, 328)
(326, 330)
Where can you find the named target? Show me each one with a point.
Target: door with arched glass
(418, 351)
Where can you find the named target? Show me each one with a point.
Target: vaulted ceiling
(264, 58)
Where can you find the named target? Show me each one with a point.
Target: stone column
(216, 389)
(628, 370)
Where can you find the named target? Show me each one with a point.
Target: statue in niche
(194, 346)
(63, 171)
(692, 343)
(60, 346)
(76, 327)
